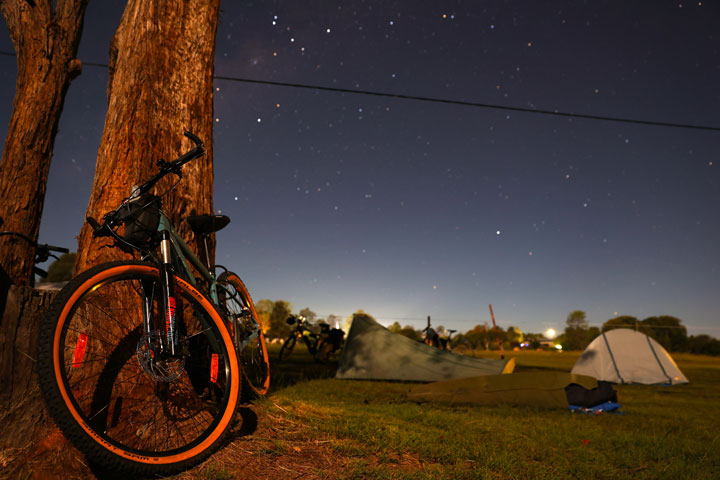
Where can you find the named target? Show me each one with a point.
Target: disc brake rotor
(161, 368)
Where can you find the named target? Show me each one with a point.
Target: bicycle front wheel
(123, 405)
(287, 347)
(250, 338)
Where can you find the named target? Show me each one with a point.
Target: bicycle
(320, 346)
(43, 252)
(142, 365)
(433, 339)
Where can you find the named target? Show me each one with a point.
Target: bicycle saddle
(207, 224)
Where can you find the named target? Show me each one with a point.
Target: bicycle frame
(177, 258)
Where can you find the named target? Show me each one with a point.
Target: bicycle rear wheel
(249, 335)
(108, 390)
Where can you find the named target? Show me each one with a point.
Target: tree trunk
(46, 43)
(22, 412)
(161, 83)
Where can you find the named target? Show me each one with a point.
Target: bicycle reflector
(213, 368)
(80, 347)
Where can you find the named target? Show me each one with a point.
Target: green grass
(665, 432)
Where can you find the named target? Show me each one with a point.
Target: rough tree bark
(21, 409)
(161, 74)
(46, 42)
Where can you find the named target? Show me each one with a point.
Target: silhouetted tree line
(273, 313)
(480, 337)
(665, 329)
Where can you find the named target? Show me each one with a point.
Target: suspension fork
(167, 282)
(148, 292)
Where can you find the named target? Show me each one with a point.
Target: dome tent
(627, 356)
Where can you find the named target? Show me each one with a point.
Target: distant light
(497, 232)
(259, 120)
(550, 333)
(328, 30)
(558, 347)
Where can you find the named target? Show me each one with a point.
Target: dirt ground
(264, 444)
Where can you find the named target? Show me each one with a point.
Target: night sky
(407, 208)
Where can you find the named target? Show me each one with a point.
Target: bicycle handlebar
(39, 246)
(111, 219)
(173, 167)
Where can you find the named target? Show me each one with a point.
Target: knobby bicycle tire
(105, 388)
(254, 356)
(287, 347)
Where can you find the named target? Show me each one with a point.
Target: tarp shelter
(372, 352)
(538, 389)
(627, 356)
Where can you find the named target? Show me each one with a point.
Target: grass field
(314, 426)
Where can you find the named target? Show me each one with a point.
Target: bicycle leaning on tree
(141, 364)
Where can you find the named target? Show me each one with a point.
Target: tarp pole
(497, 333)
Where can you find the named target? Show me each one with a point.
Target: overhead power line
(473, 104)
(447, 101)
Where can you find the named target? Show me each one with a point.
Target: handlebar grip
(57, 249)
(194, 138)
(40, 272)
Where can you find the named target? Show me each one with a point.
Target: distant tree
(667, 330)
(577, 319)
(576, 331)
(279, 328)
(61, 270)
(265, 305)
(478, 337)
(623, 321)
(592, 334)
(46, 35)
(703, 345)
(411, 333)
(513, 336)
(395, 327)
(264, 309)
